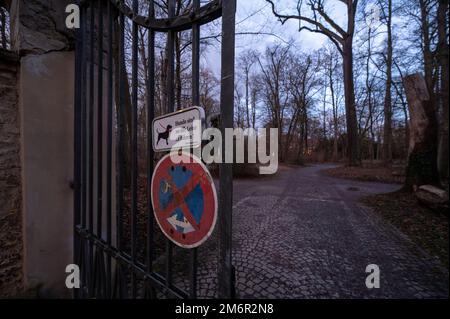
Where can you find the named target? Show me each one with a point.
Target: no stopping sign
(184, 200)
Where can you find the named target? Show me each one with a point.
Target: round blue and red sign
(184, 200)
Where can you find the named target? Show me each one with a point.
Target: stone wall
(46, 100)
(11, 247)
(36, 150)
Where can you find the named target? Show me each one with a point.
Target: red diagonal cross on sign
(179, 197)
(200, 231)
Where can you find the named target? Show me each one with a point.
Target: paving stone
(300, 235)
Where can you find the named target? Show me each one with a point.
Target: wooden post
(422, 158)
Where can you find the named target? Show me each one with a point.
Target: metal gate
(116, 245)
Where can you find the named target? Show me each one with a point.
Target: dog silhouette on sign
(164, 135)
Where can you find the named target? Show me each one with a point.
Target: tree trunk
(247, 97)
(123, 106)
(387, 145)
(428, 59)
(305, 144)
(178, 81)
(422, 159)
(443, 48)
(325, 116)
(300, 159)
(369, 96)
(254, 94)
(335, 127)
(336, 131)
(350, 108)
(405, 114)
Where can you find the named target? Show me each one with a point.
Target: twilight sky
(255, 16)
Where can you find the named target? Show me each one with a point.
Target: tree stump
(423, 140)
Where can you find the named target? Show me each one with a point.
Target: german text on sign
(182, 129)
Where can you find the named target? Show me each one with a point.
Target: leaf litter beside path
(369, 174)
(426, 228)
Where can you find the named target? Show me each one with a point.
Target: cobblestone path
(302, 234)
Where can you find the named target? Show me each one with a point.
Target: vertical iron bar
(86, 142)
(169, 252)
(196, 58)
(99, 159)
(170, 61)
(134, 162)
(225, 270)
(83, 141)
(84, 116)
(100, 120)
(109, 147)
(77, 146)
(193, 274)
(121, 140)
(91, 147)
(195, 101)
(171, 107)
(120, 135)
(150, 152)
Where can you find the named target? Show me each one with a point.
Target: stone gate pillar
(46, 95)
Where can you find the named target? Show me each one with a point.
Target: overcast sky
(255, 16)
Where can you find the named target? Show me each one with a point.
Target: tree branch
(319, 26)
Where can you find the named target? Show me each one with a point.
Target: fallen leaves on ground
(426, 228)
(369, 174)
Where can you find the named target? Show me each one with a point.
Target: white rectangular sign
(182, 129)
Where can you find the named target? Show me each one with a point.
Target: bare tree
(209, 90)
(239, 108)
(302, 81)
(331, 66)
(319, 21)
(255, 92)
(400, 92)
(274, 74)
(369, 100)
(387, 143)
(422, 160)
(246, 60)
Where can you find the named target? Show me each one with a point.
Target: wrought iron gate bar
(134, 150)
(205, 14)
(226, 280)
(108, 254)
(170, 107)
(82, 49)
(195, 101)
(90, 185)
(99, 145)
(77, 169)
(127, 260)
(109, 148)
(99, 271)
(150, 154)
